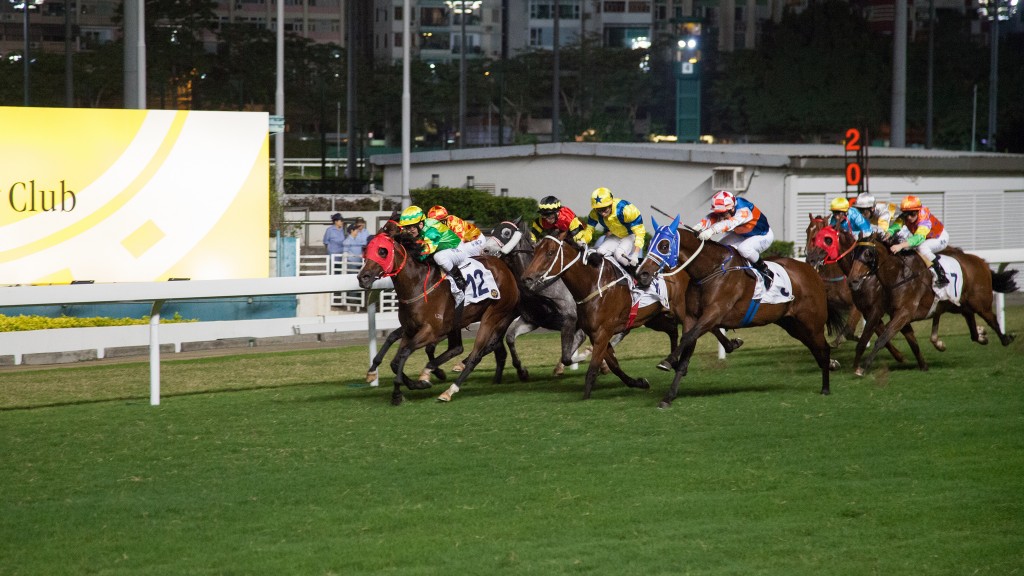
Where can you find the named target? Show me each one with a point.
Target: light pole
(25, 6)
(463, 8)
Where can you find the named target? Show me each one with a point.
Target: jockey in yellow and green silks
(437, 240)
(622, 224)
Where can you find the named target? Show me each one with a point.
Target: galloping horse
(726, 300)
(428, 316)
(908, 282)
(830, 252)
(604, 298)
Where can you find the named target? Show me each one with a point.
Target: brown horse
(429, 316)
(908, 282)
(726, 300)
(830, 252)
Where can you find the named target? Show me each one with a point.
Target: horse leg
(600, 347)
(515, 330)
(613, 365)
(900, 319)
(849, 331)
(398, 367)
(990, 318)
(934, 338)
(908, 333)
(432, 367)
(728, 344)
(487, 340)
(392, 337)
(500, 355)
(681, 367)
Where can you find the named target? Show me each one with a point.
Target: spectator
(335, 235)
(352, 249)
(364, 235)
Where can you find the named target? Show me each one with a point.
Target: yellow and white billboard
(132, 195)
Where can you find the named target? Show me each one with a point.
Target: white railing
(344, 265)
(159, 292)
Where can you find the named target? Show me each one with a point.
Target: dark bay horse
(908, 282)
(604, 299)
(830, 252)
(725, 300)
(428, 313)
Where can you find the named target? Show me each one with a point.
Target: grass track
(286, 464)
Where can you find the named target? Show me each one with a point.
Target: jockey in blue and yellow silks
(623, 227)
(437, 240)
(746, 229)
(916, 227)
(850, 220)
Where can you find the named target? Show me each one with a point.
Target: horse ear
(654, 223)
(811, 216)
(675, 223)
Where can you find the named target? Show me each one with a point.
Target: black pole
(993, 85)
(350, 117)
(504, 65)
(556, 132)
(69, 70)
(27, 57)
(929, 121)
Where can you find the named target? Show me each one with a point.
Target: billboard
(132, 195)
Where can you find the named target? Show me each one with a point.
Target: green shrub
(480, 206)
(780, 248)
(22, 323)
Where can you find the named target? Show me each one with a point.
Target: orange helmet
(439, 213)
(723, 201)
(910, 204)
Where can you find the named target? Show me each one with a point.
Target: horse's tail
(1004, 282)
(837, 318)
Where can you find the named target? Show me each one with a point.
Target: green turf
(287, 463)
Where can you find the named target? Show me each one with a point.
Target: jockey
(437, 240)
(555, 217)
(877, 214)
(746, 229)
(472, 239)
(623, 227)
(850, 220)
(926, 234)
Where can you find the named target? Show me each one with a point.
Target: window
(614, 7)
(536, 37)
(639, 7)
(435, 16)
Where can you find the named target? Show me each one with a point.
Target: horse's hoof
(664, 365)
(371, 377)
(1008, 339)
(641, 383)
(524, 375)
(440, 375)
(458, 367)
(581, 355)
(858, 372)
(833, 364)
(396, 399)
(939, 345)
(825, 392)
(664, 404)
(444, 397)
(420, 385)
(559, 370)
(425, 375)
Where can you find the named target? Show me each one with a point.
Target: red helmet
(910, 204)
(723, 201)
(439, 213)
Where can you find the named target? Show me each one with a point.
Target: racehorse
(726, 299)
(553, 307)
(830, 252)
(604, 299)
(428, 316)
(908, 282)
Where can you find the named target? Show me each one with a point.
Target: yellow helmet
(411, 215)
(839, 204)
(601, 198)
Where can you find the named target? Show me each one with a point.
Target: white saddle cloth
(782, 287)
(480, 283)
(954, 273)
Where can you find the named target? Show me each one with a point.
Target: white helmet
(864, 200)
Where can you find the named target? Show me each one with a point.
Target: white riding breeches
(453, 257)
(929, 247)
(750, 247)
(620, 248)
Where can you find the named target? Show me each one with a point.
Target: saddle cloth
(954, 273)
(782, 286)
(656, 293)
(480, 283)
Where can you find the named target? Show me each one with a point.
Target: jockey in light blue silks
(850, 220)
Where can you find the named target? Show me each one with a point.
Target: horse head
(816, 224)
(823, 247)
(662, 253)
(505, 238)
(380, 260)
(865, 261)
(552, 256)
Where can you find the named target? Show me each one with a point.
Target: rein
(600, 289)
(561, 258)
(841, 256)
(426, 290)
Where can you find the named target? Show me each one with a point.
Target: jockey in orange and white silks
(622, 224)
(916, 227)
(746, 229)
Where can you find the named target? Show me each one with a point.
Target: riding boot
(460, 280)
(940, 274)
(762, 267)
